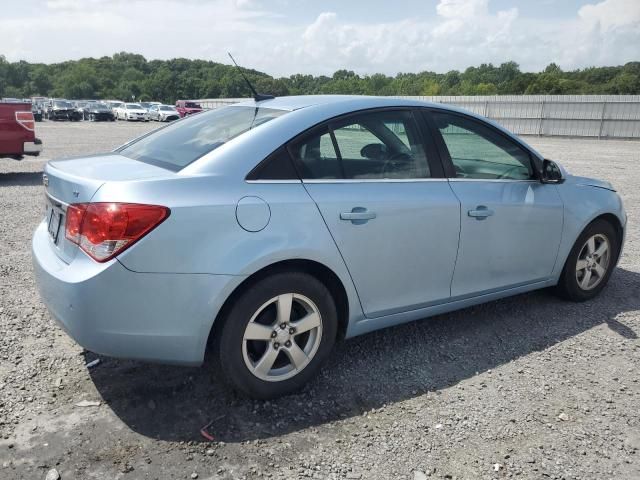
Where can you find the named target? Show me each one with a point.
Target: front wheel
(277, 335)
(590, 262)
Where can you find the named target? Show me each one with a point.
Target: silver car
(163, 113)
(268, 230)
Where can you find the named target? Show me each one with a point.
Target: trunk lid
(76, 180)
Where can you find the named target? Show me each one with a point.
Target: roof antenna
(258, 97)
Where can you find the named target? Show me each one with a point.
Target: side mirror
(551, 173)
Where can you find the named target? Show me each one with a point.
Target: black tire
(568, 286)
(229, 341)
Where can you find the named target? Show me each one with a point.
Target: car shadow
(367, 372)
(20, 179)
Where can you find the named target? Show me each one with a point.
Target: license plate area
(55, 217)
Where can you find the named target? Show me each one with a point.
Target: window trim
(423, 132)
(445, 156)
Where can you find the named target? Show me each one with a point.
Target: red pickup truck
(186, 107)
(17, 130)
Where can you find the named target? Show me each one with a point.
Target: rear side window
(183, 142)
(378, 145)
(478, 152)
(277, 166)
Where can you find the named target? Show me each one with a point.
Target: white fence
(599, 116)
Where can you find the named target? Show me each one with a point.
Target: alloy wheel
(593, 262)
(282, 337)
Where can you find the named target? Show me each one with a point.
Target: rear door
(380, 189)
(511, 223)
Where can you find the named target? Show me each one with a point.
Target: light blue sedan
(268, 230)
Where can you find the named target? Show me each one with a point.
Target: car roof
(297, 102)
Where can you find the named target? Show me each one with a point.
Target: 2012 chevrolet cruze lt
(267, 230)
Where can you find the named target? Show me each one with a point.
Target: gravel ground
(527, 387)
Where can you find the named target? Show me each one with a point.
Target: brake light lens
(25, 119)
(104, 230)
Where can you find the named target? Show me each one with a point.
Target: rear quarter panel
(202, 234)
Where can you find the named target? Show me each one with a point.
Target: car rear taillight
(104, 230)
(25, 119)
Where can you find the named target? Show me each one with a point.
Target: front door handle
(358, 215)
(481, 212)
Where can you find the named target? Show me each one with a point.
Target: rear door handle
(481, 212)
(358, 214)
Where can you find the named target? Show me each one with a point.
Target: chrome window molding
(493, 180)
(374, 180)
(274, 181)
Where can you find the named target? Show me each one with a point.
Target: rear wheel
(590, 262)
(277, 334)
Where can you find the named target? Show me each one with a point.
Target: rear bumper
(33, 148)
(113, 311)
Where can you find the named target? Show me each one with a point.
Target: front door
(395, 225)
(511, 223)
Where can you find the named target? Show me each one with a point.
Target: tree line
(130, 76)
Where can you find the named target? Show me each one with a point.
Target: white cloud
(612, 13)
(462, 8)
(456, 34)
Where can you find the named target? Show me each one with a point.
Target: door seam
(344, 262)
(455, 263)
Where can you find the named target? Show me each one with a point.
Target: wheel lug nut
(274, 334)
(276, 345)
(283, 326)
(288, 343)
(292, 331)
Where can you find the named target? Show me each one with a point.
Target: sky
(283, 37)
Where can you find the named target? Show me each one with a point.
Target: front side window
(478, 152)
(379, 145)
(181, 143)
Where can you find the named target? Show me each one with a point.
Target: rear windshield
(181, 143)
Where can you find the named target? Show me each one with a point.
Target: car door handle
(358, 214)
(481, 212)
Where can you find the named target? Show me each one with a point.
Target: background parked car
(185, 108)
(97, 111)
(37, 111)
(17, 130)
(132, 111)
(82, 106)
(163, 113)
(61, 110)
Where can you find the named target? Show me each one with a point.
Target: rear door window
(375, 145)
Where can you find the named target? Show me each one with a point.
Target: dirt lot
(528, 387)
